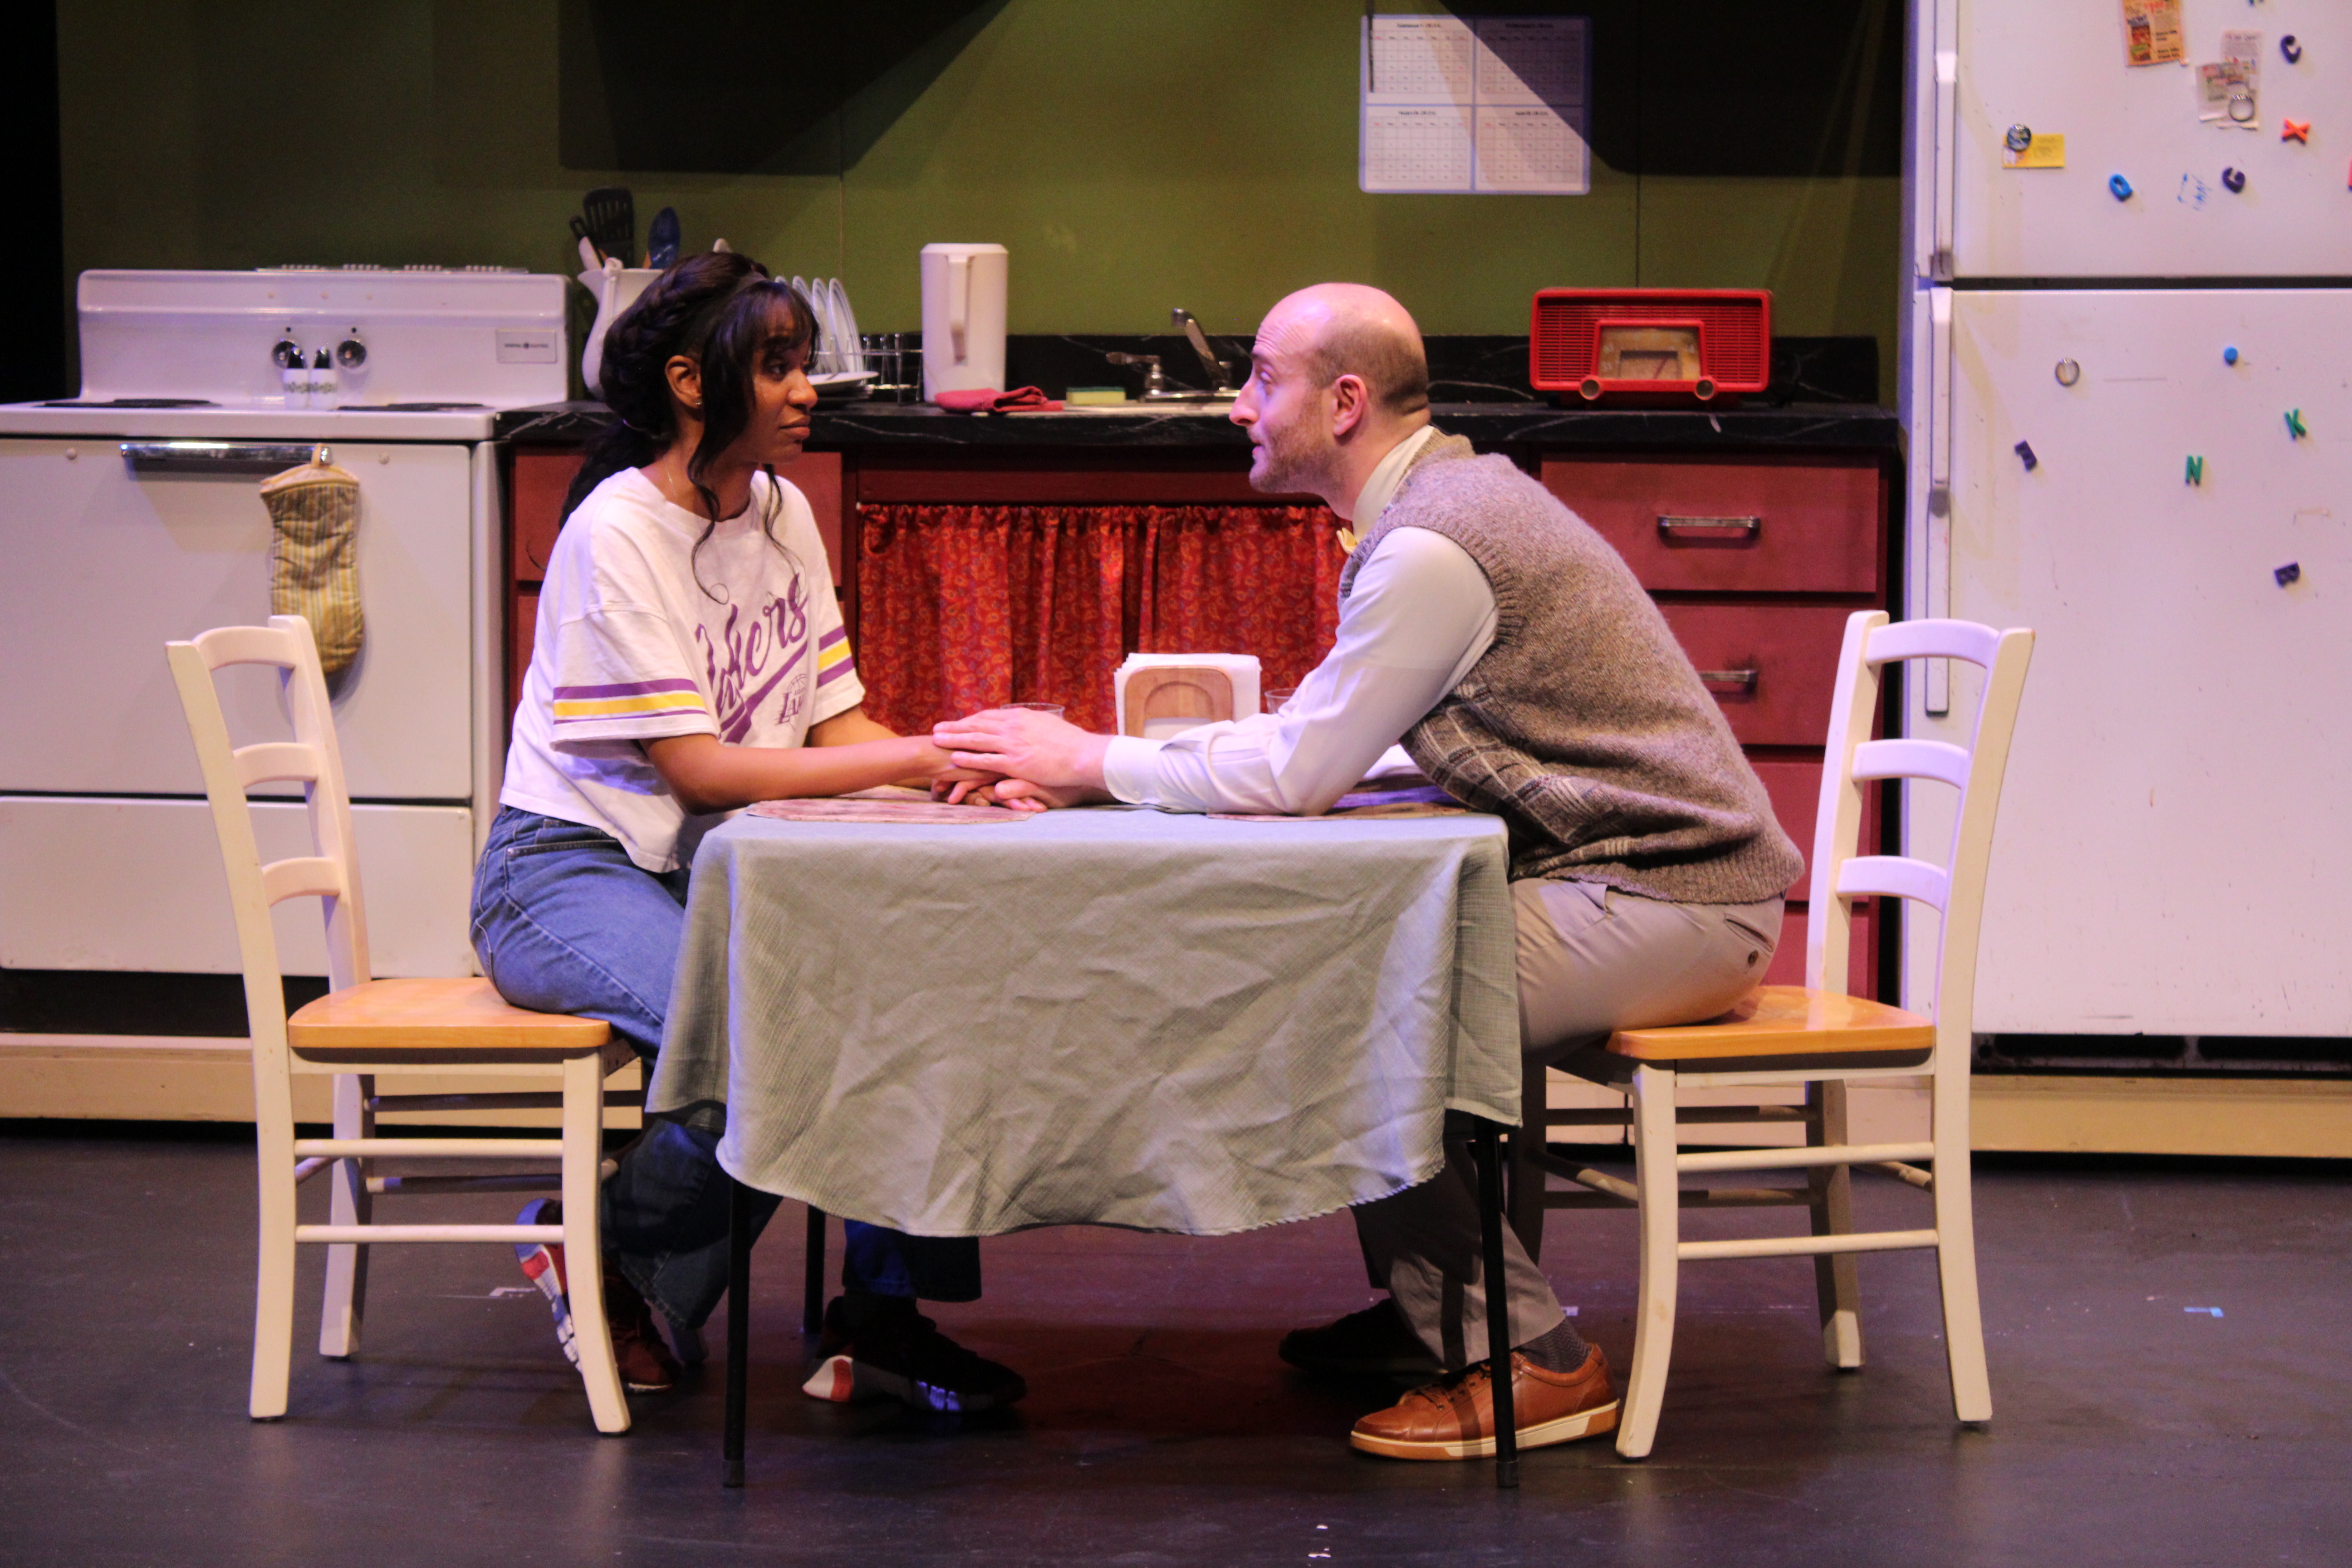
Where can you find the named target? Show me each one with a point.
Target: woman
(690, 659)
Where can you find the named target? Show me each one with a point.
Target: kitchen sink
(1219, 409)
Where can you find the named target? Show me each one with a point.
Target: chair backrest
(330, 872)
(1955, 890)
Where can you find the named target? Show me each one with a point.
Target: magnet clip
(2292, 48)
(2026, 452)
(2019, 138)
(2242, 101)
(2296, 130)
(2235, 179)
(2290, 573)
(2295, 430)
(2067, 372)
(2119, 187)
(2229, 354)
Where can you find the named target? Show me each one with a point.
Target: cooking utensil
(590, 257)
(612, 215)
(661, 239)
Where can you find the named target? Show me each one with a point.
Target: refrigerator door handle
(1948, 92)
(1938, 541)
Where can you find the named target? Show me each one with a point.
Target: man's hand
(1051, 762)
(968, 786)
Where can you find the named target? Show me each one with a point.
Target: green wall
(1132, 155)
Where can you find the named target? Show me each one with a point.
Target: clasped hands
(1024, 759)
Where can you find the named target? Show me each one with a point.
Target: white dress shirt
(1418, 616)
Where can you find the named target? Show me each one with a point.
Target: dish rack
(847, 364)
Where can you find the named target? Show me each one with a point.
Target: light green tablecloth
(1113, 1015)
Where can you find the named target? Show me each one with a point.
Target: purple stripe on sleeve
(846, 666)
(830, 638)
(620, 688)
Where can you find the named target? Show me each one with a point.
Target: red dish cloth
(987, 400)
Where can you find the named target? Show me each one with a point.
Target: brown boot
(1454, 1418)
(645, 1363)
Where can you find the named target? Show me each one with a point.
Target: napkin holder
(1165, 694)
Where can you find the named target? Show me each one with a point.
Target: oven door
(107, 855)
(97, 883)
(105, 561)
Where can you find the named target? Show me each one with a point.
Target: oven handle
(224, 456)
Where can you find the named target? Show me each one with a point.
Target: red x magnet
(2296, 130)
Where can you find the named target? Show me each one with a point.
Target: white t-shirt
(641, 637)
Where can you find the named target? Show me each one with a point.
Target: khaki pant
(1592, 961)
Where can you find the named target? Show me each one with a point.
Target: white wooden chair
(365, 1027)
(1819, 1037)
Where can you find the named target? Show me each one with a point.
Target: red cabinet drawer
(1796, 792)
(522, 637)
(1772, 666)
(540, 479)
(1813, 527)
(1862, 951)
(818, 474)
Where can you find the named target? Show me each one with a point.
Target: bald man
(1510, 650)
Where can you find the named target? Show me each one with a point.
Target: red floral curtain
(960, 608)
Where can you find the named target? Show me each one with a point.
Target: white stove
(129, 516)
(419, 354)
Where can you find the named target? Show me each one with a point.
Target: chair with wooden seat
(364, 1028)
(1819, 1037)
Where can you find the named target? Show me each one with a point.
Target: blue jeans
(564, 921)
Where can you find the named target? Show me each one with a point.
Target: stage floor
(2129, 1425)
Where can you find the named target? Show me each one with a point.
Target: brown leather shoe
(1454, 1418)
(644, 1362)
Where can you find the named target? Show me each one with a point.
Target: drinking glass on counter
(1278, 697)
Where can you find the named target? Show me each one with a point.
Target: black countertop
(863, 426)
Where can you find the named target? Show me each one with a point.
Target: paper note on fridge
(2045, 150)
(2152, 33)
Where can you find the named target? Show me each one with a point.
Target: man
(1525, 670)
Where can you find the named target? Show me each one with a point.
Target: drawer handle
(1737, 679)
(255, 456)
(1667, 525)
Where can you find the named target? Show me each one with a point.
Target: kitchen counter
(1843, 427)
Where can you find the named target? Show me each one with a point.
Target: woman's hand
(1020, 795)
(932, 770)
(1054, 763)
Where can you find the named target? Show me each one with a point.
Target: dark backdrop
(34, 306)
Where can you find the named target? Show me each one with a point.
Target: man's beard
(1293, 465)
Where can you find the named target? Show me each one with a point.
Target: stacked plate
(839, 368)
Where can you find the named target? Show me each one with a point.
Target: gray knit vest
(1584, 726)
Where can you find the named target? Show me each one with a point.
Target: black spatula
(612, 217)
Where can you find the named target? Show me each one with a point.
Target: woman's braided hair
(718, 310)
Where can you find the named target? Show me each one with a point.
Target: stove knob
(351, 354)
(288, 354)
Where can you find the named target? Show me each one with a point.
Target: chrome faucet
(1155, 379)
(1184, 323)
(1155, 383)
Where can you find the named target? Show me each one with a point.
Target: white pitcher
(963, 316)
(616, 289)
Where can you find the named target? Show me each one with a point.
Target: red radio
(1651, 346)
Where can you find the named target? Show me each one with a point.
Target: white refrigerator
(2127, 387)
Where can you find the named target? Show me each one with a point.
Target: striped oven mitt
(314, 511)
